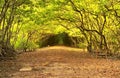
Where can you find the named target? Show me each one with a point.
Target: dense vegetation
(24, 24)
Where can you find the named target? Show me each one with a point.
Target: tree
(92, 18)
(8, 14)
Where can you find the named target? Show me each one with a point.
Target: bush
(22, 45)
(81, 45)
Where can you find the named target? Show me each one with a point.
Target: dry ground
(59, 62)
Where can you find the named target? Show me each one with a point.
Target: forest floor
(59, 62)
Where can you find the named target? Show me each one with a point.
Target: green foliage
(87, 19)
(22, 45)
(81, 45)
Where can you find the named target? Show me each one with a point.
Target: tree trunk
(6, 20)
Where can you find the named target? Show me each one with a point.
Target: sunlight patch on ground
(63, 48)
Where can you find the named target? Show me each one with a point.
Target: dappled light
(59, 38)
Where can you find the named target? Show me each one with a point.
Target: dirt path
(59, 62)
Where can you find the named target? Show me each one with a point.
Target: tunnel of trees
(61, 39)
(95, 23)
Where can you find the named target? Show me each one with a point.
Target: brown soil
(59, 62)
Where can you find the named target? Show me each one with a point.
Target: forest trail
(59, 62)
